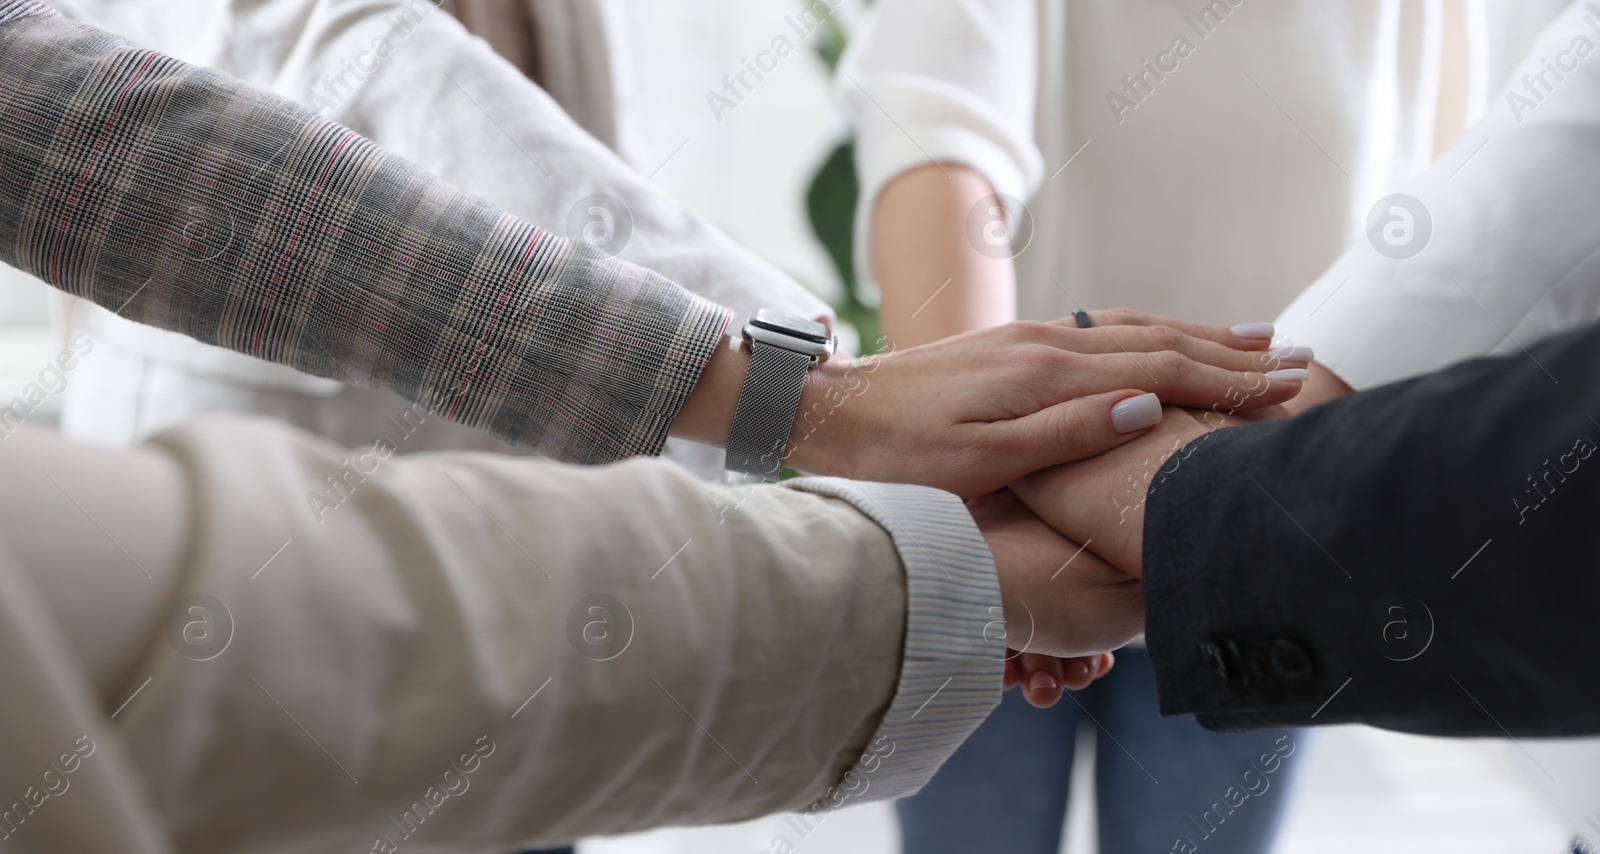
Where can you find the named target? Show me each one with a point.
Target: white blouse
(1205, 161)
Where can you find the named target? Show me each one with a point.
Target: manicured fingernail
(1253, 330)
(1293, 375)
(1298, 353)
(1043, 682)
(1136, 413)
(1079, 669)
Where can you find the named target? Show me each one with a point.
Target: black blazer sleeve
(1424, 556)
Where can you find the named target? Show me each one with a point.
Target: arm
(331, 256)
(181, 198)
(406, 622)
(1274, 555)
(508, 141)
(944, 122)
(933, 282)
(1508, 258)
(622, 647)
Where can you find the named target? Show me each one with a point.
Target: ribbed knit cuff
(954, 643)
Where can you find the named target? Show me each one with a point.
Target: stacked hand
(1068, 539)
(972, 413)
(1103, 498)
(1099, 501)
(1032, 405)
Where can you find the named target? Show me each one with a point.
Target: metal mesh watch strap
(766, 409)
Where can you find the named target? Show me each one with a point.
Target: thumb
(1078, 429)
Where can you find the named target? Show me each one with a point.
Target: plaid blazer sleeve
(179, 197)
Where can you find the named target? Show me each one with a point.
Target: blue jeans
(1005, 789)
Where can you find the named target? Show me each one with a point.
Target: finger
(1100, 501)
(1099, 665)
(1150, 339)
(1078, 673)
(1179, 380)
(1243, 336)
(1104, 665)
(1012, 674)
(1031, 663)
(1077, 429)
(1072, 674)
(1043, 684)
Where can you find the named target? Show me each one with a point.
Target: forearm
(195, 203)
(942, 123)
(1436, 491)
(586, 622)
(935, 280)
(203, 206)
(1489, 248)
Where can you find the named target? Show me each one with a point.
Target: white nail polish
(1293, 375)
(1136, 413)
(1253, 330)
(1297, 353)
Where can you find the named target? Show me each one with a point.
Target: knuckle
(1070, 360)
(1072, 431)
(1030, 330)
(1252, 382)
(1164, 338)
(1169, 364)
(1125, 316)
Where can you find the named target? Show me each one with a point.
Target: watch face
(788, 324)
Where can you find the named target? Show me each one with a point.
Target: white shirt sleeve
(950, 81)
(1506, 223)
(411, 78)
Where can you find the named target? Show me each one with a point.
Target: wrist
(820, 437)
(1190, 433)
(823, 436)
(1017, 617)
(707, 414)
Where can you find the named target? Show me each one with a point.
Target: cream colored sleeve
(470, 652)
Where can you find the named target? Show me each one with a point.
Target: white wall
(748, 172)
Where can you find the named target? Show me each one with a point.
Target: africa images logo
(1399, 226)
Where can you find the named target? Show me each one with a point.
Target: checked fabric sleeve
(182, 198)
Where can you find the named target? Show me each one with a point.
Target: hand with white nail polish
(1253, 331)
(1292, 356)
(971, 413)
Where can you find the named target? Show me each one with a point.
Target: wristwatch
(782, 349)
